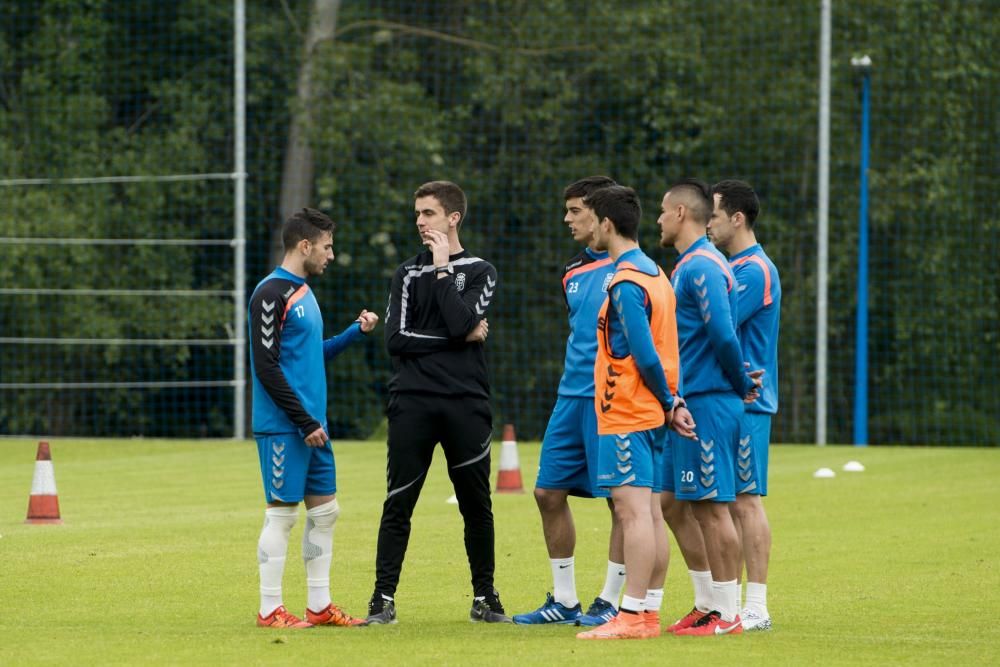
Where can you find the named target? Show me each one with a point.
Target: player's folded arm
(463, 311)
(401, 340)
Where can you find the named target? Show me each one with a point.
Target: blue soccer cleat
(600, 612)
(550, 612)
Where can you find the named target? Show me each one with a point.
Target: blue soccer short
(751, 457)
(704, 469)
(291, 470)
(568, 460)
(632, 459)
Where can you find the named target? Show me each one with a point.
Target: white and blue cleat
(551, 612)
(600, 612)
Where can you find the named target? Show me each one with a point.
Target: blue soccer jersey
(585, 286)
(713, 377)
(759, 312)
(569, 448)
(287, 354)
(706, 290)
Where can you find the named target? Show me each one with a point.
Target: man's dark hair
(585, 186)
(307, 223)
(737, 197)
(620, 204)
(449, 195)
(697, 196)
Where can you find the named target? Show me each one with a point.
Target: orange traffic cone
(43, 505)
(509, 476)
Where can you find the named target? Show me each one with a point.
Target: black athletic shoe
(488, 609)
(381, 611)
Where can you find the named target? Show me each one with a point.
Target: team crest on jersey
(460, 282)
(607, 281)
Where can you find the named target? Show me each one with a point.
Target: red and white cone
(509, 476)
(43, 505)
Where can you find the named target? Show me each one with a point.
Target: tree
(298, 173)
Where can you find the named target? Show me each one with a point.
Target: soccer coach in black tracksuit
(439, 392)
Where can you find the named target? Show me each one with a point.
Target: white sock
(654, 599)
(724, 594)
(272, 547)
(317, 552)
(757, 598)
(564, 581)
(632, 604)
(614, 581)
(702, 583)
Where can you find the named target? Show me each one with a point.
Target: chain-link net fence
(350, 106)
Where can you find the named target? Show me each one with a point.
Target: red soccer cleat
(712, 624)
(333, 615)
(280, 618)
(622, 626)
(688, 620)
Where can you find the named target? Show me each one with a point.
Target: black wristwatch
(449, 270)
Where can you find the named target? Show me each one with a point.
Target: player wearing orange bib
(636, 375)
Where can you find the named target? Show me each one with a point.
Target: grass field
(155, 564)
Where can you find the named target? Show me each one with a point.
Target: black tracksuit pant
(463, 426)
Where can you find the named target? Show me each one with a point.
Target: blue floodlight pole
(864, 66)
